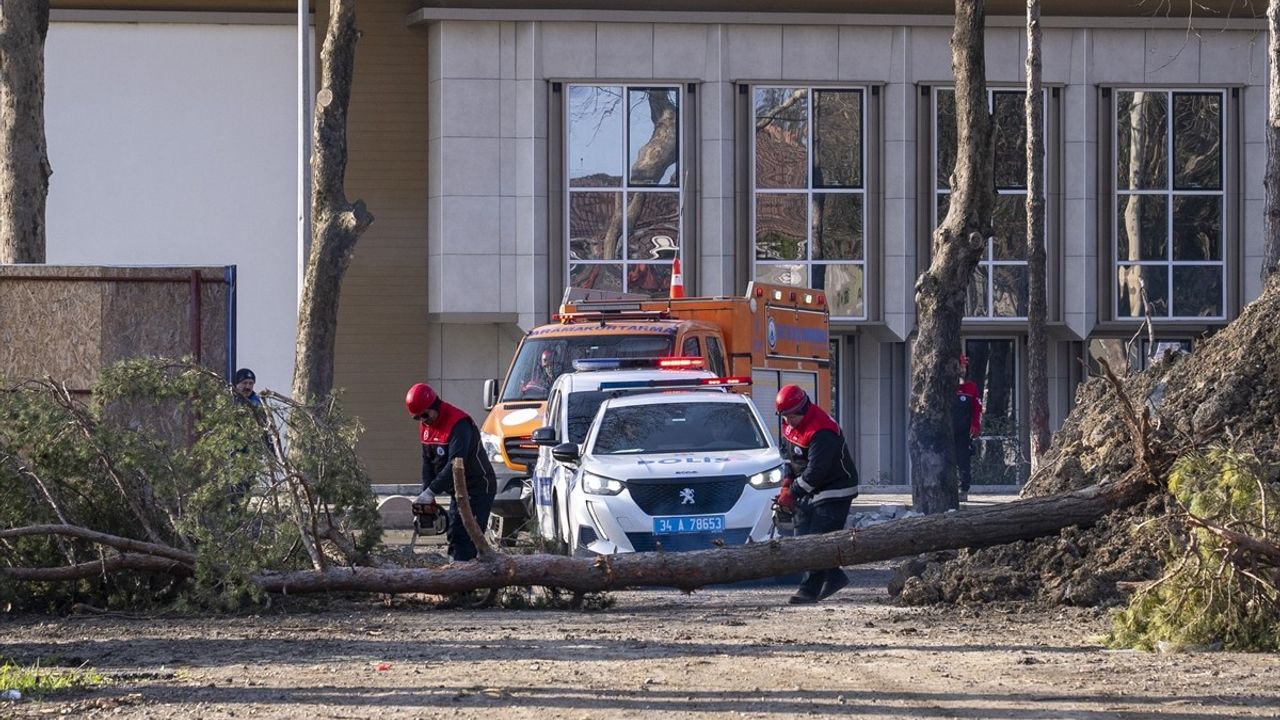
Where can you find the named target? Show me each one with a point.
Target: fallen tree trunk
(998, 524)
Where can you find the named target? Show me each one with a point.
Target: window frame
(1228, 150)
(685, 180)
(868, 188)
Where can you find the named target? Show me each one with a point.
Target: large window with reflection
(624, 189)
(993, 367)
(999, 285)
(808, 210)
(1169, 221)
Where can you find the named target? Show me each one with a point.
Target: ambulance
(774, 334)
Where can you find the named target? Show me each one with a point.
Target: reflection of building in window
(999, 285)
(993, 367)
(1169, 257)
(624, 184)
(1124, 355)
(808, 209)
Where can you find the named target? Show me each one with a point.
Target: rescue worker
(824, 481)
(448, 433)
(966, 422)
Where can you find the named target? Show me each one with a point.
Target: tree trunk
(24, 156)
(940, 292)
(336, 223)
(1037, 340)
(1271, 181)
(993, 525)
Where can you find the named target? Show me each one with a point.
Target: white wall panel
(175, 144)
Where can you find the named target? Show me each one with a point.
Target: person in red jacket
(966, 423)
(448, 433)
(824, 481)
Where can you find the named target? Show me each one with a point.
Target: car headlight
(767, 479)
(600, 485)
(492, 447)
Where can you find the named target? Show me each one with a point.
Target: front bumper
(514, 498)
(608, 524)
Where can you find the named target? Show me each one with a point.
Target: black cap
(244, 374)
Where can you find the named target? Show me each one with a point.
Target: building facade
(508, 152)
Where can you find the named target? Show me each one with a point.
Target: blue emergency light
(665, 363)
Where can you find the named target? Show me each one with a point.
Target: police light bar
(666, 363)
(681, 383)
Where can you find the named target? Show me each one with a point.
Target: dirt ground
(722, 652)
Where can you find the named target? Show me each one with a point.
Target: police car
(668, 461)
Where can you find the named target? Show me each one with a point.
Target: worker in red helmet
(966, 423)
(448, 433)
(824, 481)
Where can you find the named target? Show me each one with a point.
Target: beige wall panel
(382, 324)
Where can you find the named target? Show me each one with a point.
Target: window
(999, 286)
(624, 187)
(690, 348)
(715, 354)
(993, 368)
(809, 192)
(1169, 230)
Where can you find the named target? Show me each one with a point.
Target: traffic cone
(677, 282)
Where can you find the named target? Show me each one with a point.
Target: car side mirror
(544, 436)
(490, 393)
(566, 452)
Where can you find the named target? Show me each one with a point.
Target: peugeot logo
(686, 496)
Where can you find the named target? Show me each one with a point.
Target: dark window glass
(678, 427)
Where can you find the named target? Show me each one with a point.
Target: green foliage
(163, 452)
(40, 682)
(1214, 593)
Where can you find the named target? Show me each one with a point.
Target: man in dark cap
(243, 384)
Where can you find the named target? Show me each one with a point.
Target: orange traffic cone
(677, 282)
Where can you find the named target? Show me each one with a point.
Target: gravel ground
(720, 652)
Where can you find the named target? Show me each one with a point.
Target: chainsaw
(428, 519)
(784, 511)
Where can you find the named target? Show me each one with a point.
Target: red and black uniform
(966, 421)
(824, 484)
(818, 458)
(455, 435)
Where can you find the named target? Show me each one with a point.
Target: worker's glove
(785, 499)
(425, 504)
(801, 495)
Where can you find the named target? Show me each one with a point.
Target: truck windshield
(541, 360)
(678, 427)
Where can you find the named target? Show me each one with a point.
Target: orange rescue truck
(774, 334)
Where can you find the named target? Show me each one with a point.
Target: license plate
(688, 524)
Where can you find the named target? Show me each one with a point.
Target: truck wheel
(502, 530)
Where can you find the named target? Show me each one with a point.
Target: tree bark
(24, 156)
(940, 292)
(336, 223)
(994, 525)
(1037, 339)
(1271, 181)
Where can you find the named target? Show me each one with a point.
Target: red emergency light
(681, 363)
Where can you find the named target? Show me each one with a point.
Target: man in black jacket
(448, 433)
(824, 481)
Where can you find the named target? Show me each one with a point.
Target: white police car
(661, 465)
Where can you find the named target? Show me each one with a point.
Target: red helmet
(791, 400)
(419, 398)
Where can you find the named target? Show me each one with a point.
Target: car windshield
(583, 407)
(678, 427)
(541, 360)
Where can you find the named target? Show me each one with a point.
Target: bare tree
(1037, 341)
(1271, 181)
(24, 156)
(336, 222)
(940, 292)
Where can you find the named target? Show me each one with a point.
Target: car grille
(662, 496)
(646, 542)
(521, 451)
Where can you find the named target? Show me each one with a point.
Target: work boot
(807, 593)
(836, 580)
